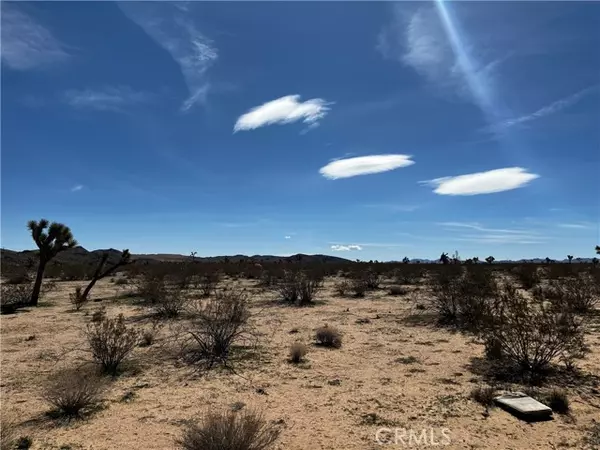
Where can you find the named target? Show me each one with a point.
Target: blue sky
(363, 130)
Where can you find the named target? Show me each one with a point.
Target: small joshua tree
(405, 260)
(490, 259)
(57, 239)
(101, 272)
(597, 249)
(570, 258)
(444, 258)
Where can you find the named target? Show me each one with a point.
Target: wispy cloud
(547, 110)
(489, 182)
(170, 26)
(346, 248)
(579, 226)
(287, 237)
(106, 99)
(489, 235)
(364, 165)
(429, 41)
(392, 207)
(283, 110)
(26, 44)
(77, 187)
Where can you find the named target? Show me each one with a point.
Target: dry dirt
(338, 399)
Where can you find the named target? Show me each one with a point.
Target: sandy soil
(338, 399)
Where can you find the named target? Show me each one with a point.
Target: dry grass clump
(244, 430)
(73, 391)
(484, 395)
(297, 352)
(328, 337)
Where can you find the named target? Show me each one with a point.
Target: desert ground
(394, 369)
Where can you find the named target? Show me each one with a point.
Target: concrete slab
(523, 406)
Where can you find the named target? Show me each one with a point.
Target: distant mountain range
(79, 255)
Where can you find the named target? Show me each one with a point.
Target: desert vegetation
(290, 352)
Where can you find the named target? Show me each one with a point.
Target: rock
(523, 406)
(335, 382)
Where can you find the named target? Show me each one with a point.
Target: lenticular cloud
(364, 165)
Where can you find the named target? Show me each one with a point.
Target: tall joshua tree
(56, 239)
(570, 258)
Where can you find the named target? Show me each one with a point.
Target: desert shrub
(369, 278)
(484, 395)
(110, 342)
(358, 287)
(20, 277)
(297, 352)
(208, 283)
(579, 294)
(464, 298)
(171, 303)
(77, 299)
(216, 325)
(148, 336)
(23, 443)
(14, 296)
(99, 315)
(121, 281)
(73, 391)
(328, 337)
(528, 275)
(398, 290)
(341, 288)
(243, 430)
(298, 287)
(151, 287)
(558, 400)
(530, 334)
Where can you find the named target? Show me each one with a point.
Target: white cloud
(76, 188)
(364, 165)
(487, 235)
(478, 227)
(170, 27)
(287, 237)
(106, 99)
(547, 110)
(283, 110)
(25, 43)
(489, 182)
(578, 226)
(345, 248)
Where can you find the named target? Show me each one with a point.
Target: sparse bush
(77, 299)
(23, 443)
(208, 283)
(398, 290)
(111, 342)
(22, 277)
(463, 298)
(529, 333)
(149, 336)
(341, 288)
(121, 281)
(151, 287)
(217, 324)
(99, 315)
(297, 352)
(358, 287)
(13, 297)
(528, 275)
(328, 337)
(171, 304)
(484, 395)
(73, 391)
(243, 430)
(579, 294)
(558, 400)
(298, 287)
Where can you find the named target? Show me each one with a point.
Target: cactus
(101, 273)
(57, 239)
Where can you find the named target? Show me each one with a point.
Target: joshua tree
(476, 260)
(405, 260)
(490, 259)
(595, 261)
(597, 249)
(57, 239)
(548, 260)
(100, 273)
(193, 255)
(444, 258)
(570, 258)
